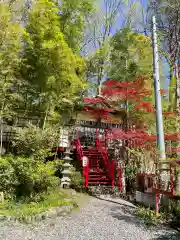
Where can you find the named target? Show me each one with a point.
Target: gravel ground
(98, 220)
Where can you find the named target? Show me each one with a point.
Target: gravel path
(98, 220)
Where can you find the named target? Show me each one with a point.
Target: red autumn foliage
(131, 91)
(93, 100)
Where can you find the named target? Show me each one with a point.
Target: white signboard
(84, 161)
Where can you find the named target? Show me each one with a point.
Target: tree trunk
(1, 128)
(177, 188)
(1, 135)
(45, 118)
(46, 114)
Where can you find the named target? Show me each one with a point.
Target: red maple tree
(136, 93)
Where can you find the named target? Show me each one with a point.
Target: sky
(138, 16)
(122, 14)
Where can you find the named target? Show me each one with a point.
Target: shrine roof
(100, 102)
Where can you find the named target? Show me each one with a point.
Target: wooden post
(157, 203)
(87, 174)
(112, 172)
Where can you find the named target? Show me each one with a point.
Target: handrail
(79, 148)
(108, 164)
(81, 154)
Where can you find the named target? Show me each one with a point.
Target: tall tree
(51, 68)
(168, 20)
(131, 56)
(74, 15)
(99, 32)
(10, 44)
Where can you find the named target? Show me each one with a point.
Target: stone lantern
(65, 181)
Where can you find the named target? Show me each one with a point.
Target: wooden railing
(83, 160)
(109, 165)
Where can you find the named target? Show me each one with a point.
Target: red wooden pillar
(157, 203)
(85, 170)
(87, 174)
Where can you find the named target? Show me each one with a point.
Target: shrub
(8, 177)
(175, 213)
(130, 173)
(148, 216)
(23, 210)
(27, 176)
(34, 141)
(57, 166)
(76, 179)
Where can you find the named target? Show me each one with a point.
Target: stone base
(147, 199)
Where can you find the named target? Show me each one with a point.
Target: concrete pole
(158, 103)
(177, 185)
(164, 178)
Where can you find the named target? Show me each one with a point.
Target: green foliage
(148, 216)
(76, 179)
(73, 21)
(98, 35)
(57, 166)
(131, 56)
(10, 44)
(46, 201)
(131, 172)
(98, 63)
(7, 177)
(54, 73)
(36, 142)
(172, 94)
(174, 215)
(25, 177)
